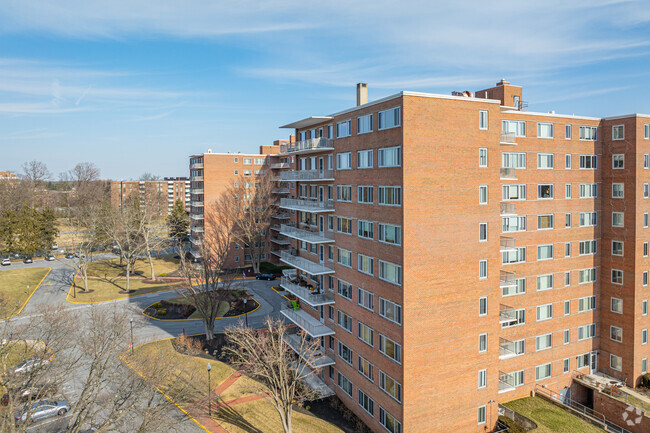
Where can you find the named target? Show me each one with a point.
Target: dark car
(69, 256)
(30, 392)
(268, 277)
(28, 260)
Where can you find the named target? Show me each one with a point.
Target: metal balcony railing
(507, 209)
(196, 216)
(313, 358)
(306, 235)
(282, 216)
(197, 165)
(309, 145)
(279, 165)
(507, 244)
(507, 173)
(307, 205)
(196, 204)
(506, 349)
(306, 322)
(311, 297)
(507, 279)
(305, 265)
(196, 178)
(281, 241)
(197, 229)
(307, 175)
(280, 190)
(197, 191)
(507, 314)
(508, 138)
(506, 382)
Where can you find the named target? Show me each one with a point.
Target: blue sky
(136, 86)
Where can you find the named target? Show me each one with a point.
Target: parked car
(69, 256)
(42, 409)
(6, 262)
(49, 258)
(55, 246)
(28, 260)
(268, 277)
(27, 365)
(30, 391)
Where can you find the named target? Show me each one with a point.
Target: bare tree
(82, 173)
(250, 203)
(265, 356)
(35, 172)
(153, 211)
(147, 176)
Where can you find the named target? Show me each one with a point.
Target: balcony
(313, 175)
(313, 358)
(507, 279)
(507, 209)
(305, 265)
(279, 165)
(312, 298)
(309, 146)
(280, 191)
(197, 165)
(196, 178)
(310, 325)
(507, 173)
(281, 241)
(312, 380)
(196, 216)
(196, 204)
(507, 244)
(281, 216)
(197, 229)
(508, 138)
(196, 241)
(507, 314)
(506, 349)
(506, 382)
(307, 205)
(197, 191)
(306, 235)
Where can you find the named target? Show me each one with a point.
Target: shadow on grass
(229, 415)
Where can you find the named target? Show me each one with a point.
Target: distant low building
(7, 175)
(171, 188)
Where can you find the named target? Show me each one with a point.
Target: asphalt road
(54, 290)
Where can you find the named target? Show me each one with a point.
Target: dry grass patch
(16, 286)
(103, 291)
(111, 268)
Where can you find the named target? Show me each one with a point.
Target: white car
(27, 365)
(6, 262)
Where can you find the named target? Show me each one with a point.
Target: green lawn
(549, 417)
(16, 286)
(16, 351)
(102, 290)
(111, 268)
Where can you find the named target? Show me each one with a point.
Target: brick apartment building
(465, 251)
(8, 175)
(170, 189)
(210, 175)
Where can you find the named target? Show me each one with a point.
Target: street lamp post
(209, 367)
(131, 320)
(245, 312)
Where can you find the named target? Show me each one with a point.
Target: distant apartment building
(212, 173)
(170, 189)
(465, 252)
(8, 175)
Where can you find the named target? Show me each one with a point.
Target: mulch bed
(210, 349)
(178, 311)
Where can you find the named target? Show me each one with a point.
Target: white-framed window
(566, 365)
(343, 129)
(588, 162)
(618, 132)
(567, 220)
(344, 161)
(617, 219)
(618, 190)
(567, 278)
(366, 299)
(344, 225)
(618, 162)
(518, 255)
(366, 264)
(483, 119)
(365, 194)
(567, 190)
(587, 303)
(617, 276)
(389, 422)
(482, 379)
(615, 362)
(544, 130)
(545, 222)
(616, 305)
(513, 160)
(390, 234)
(390, 348)
(645, 278)
(344, 384)
(567, 161)
(588, 132)
(588, 190)
(389, 157)
(567, 132)
(390, 195)
(543, 371)
(616, 334)
(481, 414)
(586, 275)
(482, 232)
(390, 118)
(482, 343)
(588, 219)
(483, 306)
(364, 159)
(543, 342)
(645, 220)
(513, 192)
(545, 191)
(644, 308)
(517, 127)
(646, 131)
(345, 353)
(344, 257)
(365, 229)
(644, 361)
(390, 272)
(513, 224)
(482, 269)
(482, 194)
(390, 310)
(344, 321)
(544, 312)
(520, 316)
(518, 289)
(545, 161)
(364, 124)
(617, 248)
(366, 334)
(646, 161)
(644, 336)
(482, 157)
(545, 252)
(567, 249)
(586, 331)
(366, 403)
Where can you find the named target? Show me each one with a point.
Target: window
(236, 172)
(618, 190)
(544, 130)
(567, 308)
(513, 159)
(589, 162)
(343, 129)
(247, 161)
(390, 386)
(513, 192)
(544, 160)
(567, 190)
(364, 124)
(390, 348)
(514, 224)
(482, 306)
(588, 190)
(544, 312)
(587, 219)
(544, 222)
(646, 160)
(390, 272)
(545, 252)
(482, 379)
(617, 219)
(390, 234)
(365, 229)
(645, 220)
(617, 248)
(645, 278)
(588, 132)
(344, 225)
(481, 414)
(390, 310)
(482, 194)
(520, 319)
(482, 157)
(567, 278)
(366, 334)
(567, 132)
(567, 249)
(567, 220)
(344, 161)
(616, 334)
(544, 342)
(618, 161)
(646, 131)
(345, 384)
(345, 353)
(518, 255)
(344, 289)
(615, 362)
(543, 371)
(587, 303)
(366, 299)
(364, 194)
(390, 195)
(389, 422)
(644, 336)
(517, 127)
(482, 232)
(482, 343)
(344, 193)
(617, 276)
(644, 308)
(483, 119)
(366, 403)
(644, 361)
(344, 321)
(364, 159)
(567, 161)
(545, 191)
(344, 257)
(586, 275)
(618, 132)
(366, 264)
(616, 305)
(390, 118)
(565, 365)
(586, 331)
(482, 269)
(646, 190)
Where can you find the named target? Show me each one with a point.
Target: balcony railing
(197, 165)
(306, 322)
(196, 216)
(306, 235)
(197, 229)
(507, 209)
(312, 298)
(196, 241)
(313, 358)
(508, 173)
(307, 205)
(506, 382)
(310, 145)
(279, 165)
(507, 314)
(305, 265)
(507, 244)
(196, 178)
(280, 191)
(198, 191)
(508, 138)
(507, 279)
(282, 216)
(307, 175)
(506, 349)
(281, 241)
(196, 204)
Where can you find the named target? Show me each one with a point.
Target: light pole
(245, 312)
(131, 320)
(209, 367)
